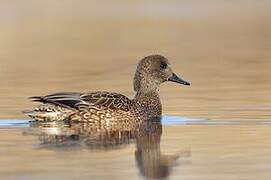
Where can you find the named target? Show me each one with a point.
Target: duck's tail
(49, 112)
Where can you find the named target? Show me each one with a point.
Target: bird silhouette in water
(146, 135)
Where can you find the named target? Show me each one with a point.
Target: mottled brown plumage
(108, 107)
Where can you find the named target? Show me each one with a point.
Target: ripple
(14, 123)
(166, 120)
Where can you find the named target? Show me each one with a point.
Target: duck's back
(84, 107)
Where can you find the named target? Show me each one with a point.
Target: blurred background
(222, 47)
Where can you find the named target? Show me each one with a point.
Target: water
(177, 148)
(218, 128)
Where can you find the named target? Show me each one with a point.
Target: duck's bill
(176, 79)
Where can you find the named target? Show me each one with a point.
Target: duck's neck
(148, 102)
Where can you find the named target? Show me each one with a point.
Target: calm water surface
(218, 128)
(192, 149)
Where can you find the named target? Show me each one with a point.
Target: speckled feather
(107, 107)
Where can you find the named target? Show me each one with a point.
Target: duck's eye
(163, 65)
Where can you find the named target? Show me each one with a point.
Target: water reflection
(151, 162)
(77, 136)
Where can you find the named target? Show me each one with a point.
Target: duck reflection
(146, 135)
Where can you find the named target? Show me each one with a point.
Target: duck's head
(152, 71)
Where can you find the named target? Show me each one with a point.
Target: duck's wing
(107, 99)
(99, 99)
(64, 99)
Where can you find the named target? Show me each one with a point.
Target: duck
(110, 107)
